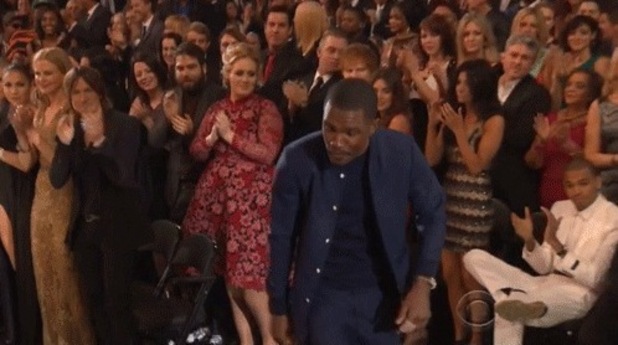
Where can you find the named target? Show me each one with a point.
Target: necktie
(270, 64)
(317, 84)
(143, 32)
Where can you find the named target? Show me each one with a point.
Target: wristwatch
(429, 280)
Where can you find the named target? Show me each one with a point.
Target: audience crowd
(116, 113)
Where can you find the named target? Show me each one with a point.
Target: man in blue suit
(341, 202)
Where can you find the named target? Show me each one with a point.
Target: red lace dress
(233, 196)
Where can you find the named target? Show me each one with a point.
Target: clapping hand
(224, 127)
(551, 228)
(453, 120)
(138, 110)
(523, 226)
(296, 92)
(65, 130)
(542, 127)
(21, 119)
(171, 106)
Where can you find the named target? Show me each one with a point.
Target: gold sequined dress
(63, 308)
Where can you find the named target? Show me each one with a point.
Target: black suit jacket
(513, 181)
(149, 44)
(105, 181)
(381, 29)
(308, 119)
(288, 64)
(92, 32)
(182, 169)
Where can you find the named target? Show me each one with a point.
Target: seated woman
(560, 136)
(393, 109)
(469, 137)
(476, 40)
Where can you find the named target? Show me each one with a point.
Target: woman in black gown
(16, 193)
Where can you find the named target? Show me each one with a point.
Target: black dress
(16, 193)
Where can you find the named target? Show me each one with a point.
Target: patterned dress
(233, 196)
(469, 214)
(608, 113)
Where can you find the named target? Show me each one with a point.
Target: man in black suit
(91, 31)
(174, 125)
(522, 99)
(305, 108)
(152, 27)
(281, 58)
(379, 16)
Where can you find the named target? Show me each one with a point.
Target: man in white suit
(579, 240)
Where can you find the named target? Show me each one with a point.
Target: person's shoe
(518, 311)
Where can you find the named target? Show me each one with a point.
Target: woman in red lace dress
(240, 136)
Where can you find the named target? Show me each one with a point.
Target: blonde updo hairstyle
(541, 27)
(237, 52)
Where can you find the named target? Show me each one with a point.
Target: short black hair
(190, 49)
(352, 95)
(281, 9)
(578, 162)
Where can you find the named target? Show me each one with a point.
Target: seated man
(578, 244)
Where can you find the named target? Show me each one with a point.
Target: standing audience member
(63, 309)
(601, 144)
(560, 136)
(469, 135)
(339, 221)
(169, 43)
(151, 28)
(403, 38)
(91, 32)
(572, 259)
(306, 96)
(240, 137)
(149, 78)
(97, 151)
(50, 29)
(522, 99)
(174, 125)
(393, 110)
(475, 40)
(15, 204)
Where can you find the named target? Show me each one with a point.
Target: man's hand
(281, 330)
(182, 124)
(550, 230)
(296, 92)
(415, 309)
(523, 226)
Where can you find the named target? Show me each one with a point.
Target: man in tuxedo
(306, 102)
(90, 31)
(152, 27)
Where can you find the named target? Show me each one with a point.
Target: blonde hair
(541, 28)
(490, 51)
(57, 57)
(177, 23)
(310, 22)
(236, 52)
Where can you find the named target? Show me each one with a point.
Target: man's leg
(331, 318)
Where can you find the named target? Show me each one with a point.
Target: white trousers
(565, 299)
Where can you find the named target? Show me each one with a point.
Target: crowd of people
(342, 154)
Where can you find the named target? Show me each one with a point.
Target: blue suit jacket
(304, 220)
